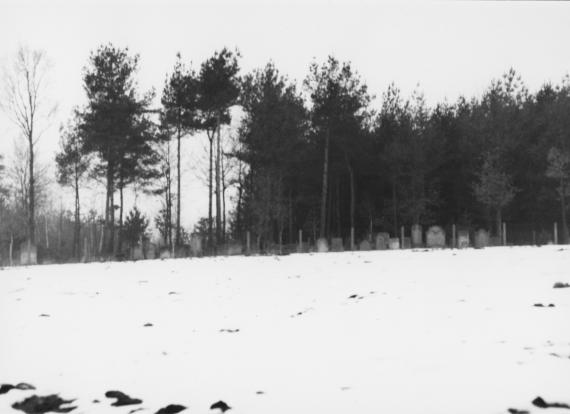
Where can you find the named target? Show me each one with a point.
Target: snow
(442, 331)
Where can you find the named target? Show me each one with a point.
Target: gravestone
(137, 253)
(234, 249)
(28, 254)
(394, 243)
(165, 253)
(462, 239)
(151, 251)
(417, 236)
(322, 245)
(481, 239)
(435, 237)
(407, 243)
(382, 241)
(196, 245)
(364, 245)
(336, 244)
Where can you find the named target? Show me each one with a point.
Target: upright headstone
(28, 254)
(165, 253)
(322, 245)
(364, 245)
(234, 249)
(407, 243)
(382, 241)
(555, 233)
(196, 245)
(462, 239)
(336, 244)
(417, 236)
(435, 237)
(151, 251)
(481, 239)
(394, 243)
(137, 253)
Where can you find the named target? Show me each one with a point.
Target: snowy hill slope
(421, 332)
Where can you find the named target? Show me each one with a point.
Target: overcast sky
(449, 48)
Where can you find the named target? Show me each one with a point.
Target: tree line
(316, 156)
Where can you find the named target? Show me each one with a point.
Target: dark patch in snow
(354, 296)
(171, 409)
(551, 305)
(540, 305)
(344, 388)
(121, 398)
(173, 293)
(560, 285)
(4, 388)
(220, 405)
(40, 405)
(229, 330)
(540, 403)
(148, 324)
(44, 315)
(135, 410)
(96, 401)
(515, 411)
(260, 392)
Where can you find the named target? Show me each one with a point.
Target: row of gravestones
(435, 238)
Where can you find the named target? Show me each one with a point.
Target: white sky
(449, 48)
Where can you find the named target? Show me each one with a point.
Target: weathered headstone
(407, 243)
(462, 239)
(165, 253)
(28, 254)
(394, 243)
(151, 251)
(322, 245)
(435, 237)
(417, 236)
(196, 245)
(481, 239)
(234, 249)
(137, 253)
(336, 244)
(382, 241)
(364, 245)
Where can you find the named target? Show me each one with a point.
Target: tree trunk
(32, 191)
(218, 189)
(77, 230)
(120, 236)
(210, 183)
(499, 224)
(352, 194)
(110, 211)
(322, 231)
(395, 206)
(223, 178)
(563, 207)
(178, 198)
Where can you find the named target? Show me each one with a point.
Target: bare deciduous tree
(25, 101)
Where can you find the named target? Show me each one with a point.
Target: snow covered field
(428, 332)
